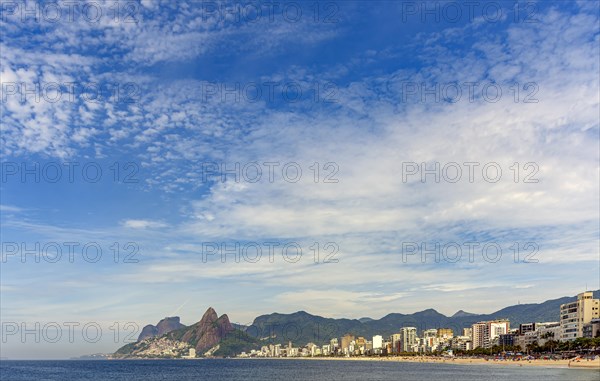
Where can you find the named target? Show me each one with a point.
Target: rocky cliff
(163, 327)
(207, 333)
(211, 336)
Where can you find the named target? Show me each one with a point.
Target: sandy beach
(573, 364)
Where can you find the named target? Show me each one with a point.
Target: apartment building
(575, 315)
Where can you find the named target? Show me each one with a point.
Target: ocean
(264, 369)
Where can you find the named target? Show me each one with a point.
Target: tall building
(592, 329)
(478, 335)
(526, 327)
(461, 342)
(445, 333)
(395, 342)
(494, 330)
(346, 341)
(575, 315)
(408, 339)
(430, 340)
(377, 343)
(506, 339)
(486, 334)
(361, 344)
(334, 345)
(547, 331)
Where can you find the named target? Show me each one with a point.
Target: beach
(563, 363)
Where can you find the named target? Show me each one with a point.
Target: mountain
(205, 334)
(164, 326)
(302, 327)
(217, 336)
(212, 335)
(461, 313)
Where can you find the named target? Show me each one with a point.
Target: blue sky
(146, 88)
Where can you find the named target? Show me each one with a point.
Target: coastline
(564, 364)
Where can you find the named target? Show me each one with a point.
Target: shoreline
(561, 364)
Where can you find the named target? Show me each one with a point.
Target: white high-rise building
(573, 316)
(377, 343)
(430, 340)
(334, 344)
(486, 333)
(408, 339)
(494, 330)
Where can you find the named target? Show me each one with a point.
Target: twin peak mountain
(206, 335)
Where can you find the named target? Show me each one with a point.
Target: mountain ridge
(305, 327)
(212, 335)
(217, 336)
(164, 326)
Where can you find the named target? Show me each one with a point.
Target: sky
(380, 156)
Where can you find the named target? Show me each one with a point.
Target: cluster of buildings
(162, 347)
(580, 318)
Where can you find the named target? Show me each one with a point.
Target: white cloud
(10, 208)
(143, 224)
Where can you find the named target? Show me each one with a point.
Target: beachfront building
(395, 341)
(347, 346)
(335, 346)
(547, 332)
(387, 347)
(408, 339)
(506, 340)
(494, 330)
(526, 327)
(191, 354)
(445, 333)
(360, 345)
(478, 334)
(377, 344)
(461, 342)
(486, 334)
(538, 333)
(592, 329)
(574, 315)
(430, 340)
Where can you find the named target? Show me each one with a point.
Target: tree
(533, 347)
(518, 348)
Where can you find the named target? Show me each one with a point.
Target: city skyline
(578, 322)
